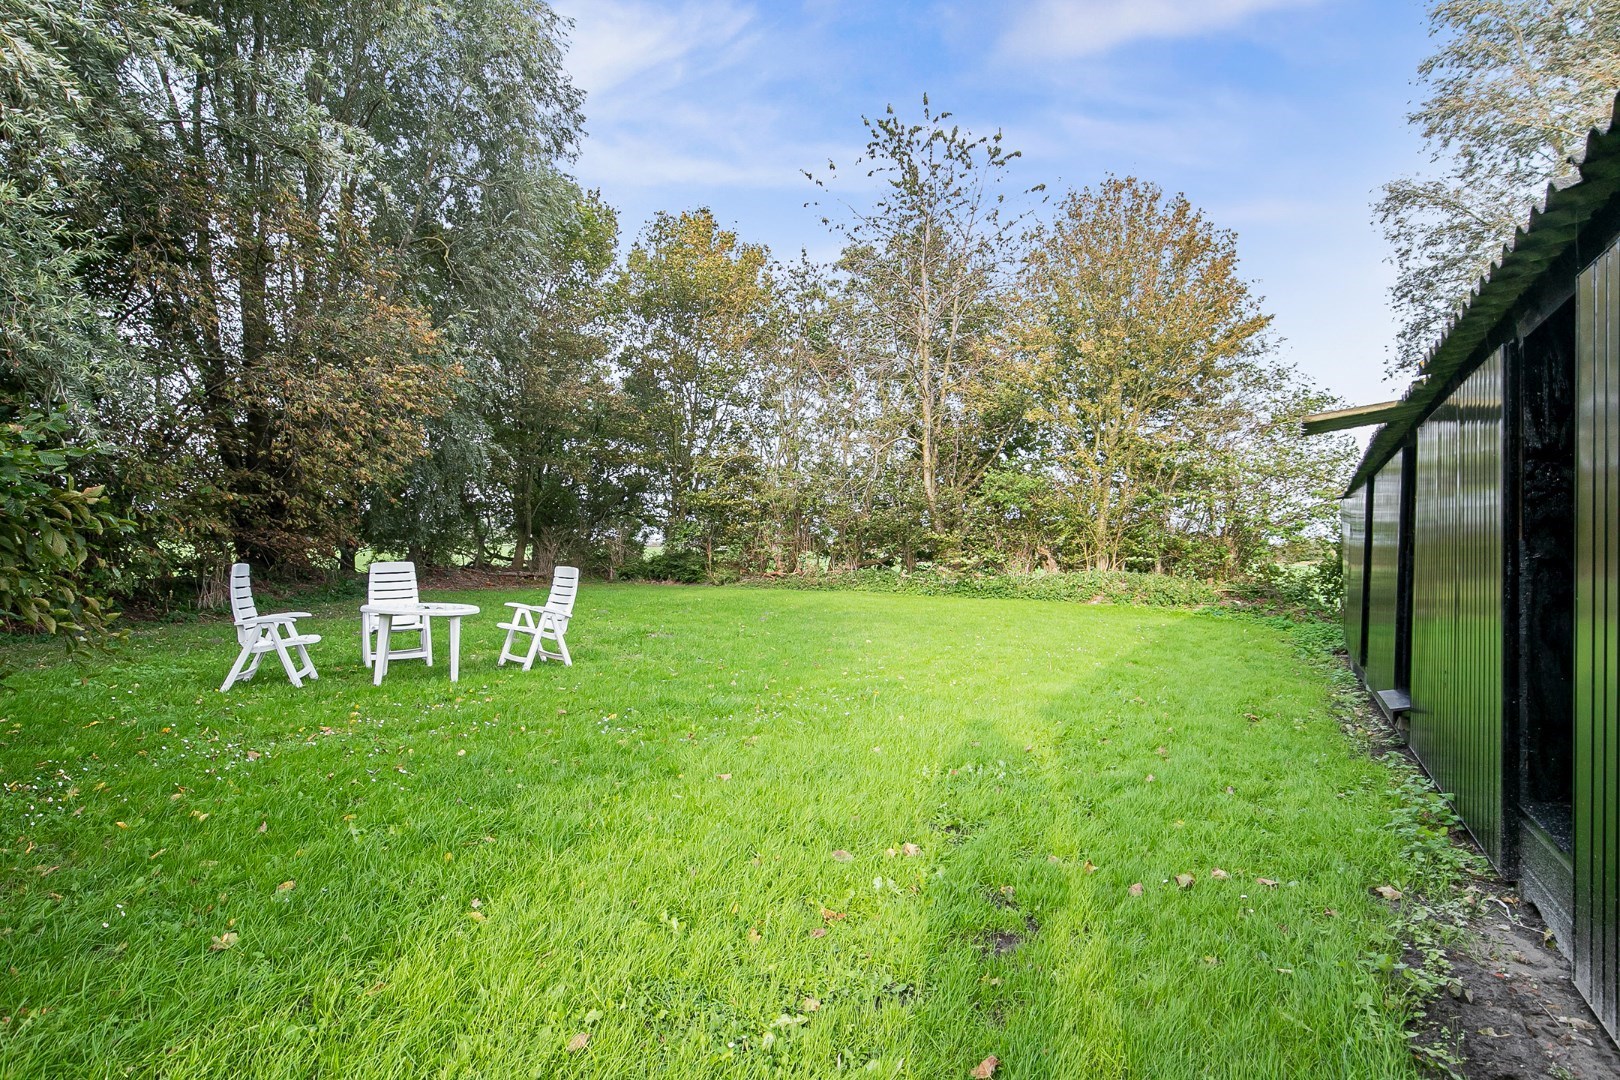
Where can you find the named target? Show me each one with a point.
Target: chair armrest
(525, 607)
(284, 617)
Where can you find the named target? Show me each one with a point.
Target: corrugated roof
(1549, 233)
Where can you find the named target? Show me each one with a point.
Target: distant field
(687, 855)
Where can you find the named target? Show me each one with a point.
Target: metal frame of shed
(1482, 565)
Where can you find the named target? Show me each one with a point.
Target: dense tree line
(286, 281)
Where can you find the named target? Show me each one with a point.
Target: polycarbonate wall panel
(1353, 530)
(1383, 576)
(1597, 632)
(1456, 722)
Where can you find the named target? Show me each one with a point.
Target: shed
(1481, 546)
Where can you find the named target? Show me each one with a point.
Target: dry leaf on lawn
(1388, 892)
(1184, 881)
(985, 1069)
(1218, 874)
(1089, 867)
(224, 941)
(810, 1004)
(287, 886)
(820, 931)
(842, 856)
(910, 850)
(1136, 889)
(1267, 882)
(577, 1043)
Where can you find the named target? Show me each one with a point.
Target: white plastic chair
(539, 623)
(259, 634)
(394, 583)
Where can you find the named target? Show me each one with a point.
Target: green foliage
(682, 565)
(1081, 586)
(49, 531)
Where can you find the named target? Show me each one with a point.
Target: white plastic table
(387, 613)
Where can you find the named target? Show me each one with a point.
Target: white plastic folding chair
(259, 634)
(394, 583)
(543, 622)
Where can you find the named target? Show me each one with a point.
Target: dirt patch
(1002, 942)
(1512, 1010)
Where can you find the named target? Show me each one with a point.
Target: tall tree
(697, 303)
(1133, 319)
(1512, 91)
(927, 259)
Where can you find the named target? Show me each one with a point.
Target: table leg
(455, 647)
(385, 623)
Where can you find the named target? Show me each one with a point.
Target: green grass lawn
(692, 847)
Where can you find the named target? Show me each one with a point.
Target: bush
(1086, 586)
(48, 530)
(682, 565)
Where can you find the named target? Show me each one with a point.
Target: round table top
(420, 609)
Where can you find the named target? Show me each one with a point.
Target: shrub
(681, 565)
(1087, 586)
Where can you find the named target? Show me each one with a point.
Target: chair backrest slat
(392, 582)
(242, 608)
(564, 587)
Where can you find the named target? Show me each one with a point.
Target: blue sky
(1280, 118)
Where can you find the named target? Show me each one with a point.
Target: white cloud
(1052, 29)
(622, 46)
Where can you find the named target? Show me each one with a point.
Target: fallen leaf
(985, 1069)
(227, 940)
(828, 915)
(1053, 859)
(1163, 751)
(1089, 867)
(890, 852)
(1331, 913)
(477, 916)
(753, 935)
(1218, 874)
(810, 1004)
(254, 755)
(725, 776)
(910, 851)
(1184, 881)
(1267, 882)
(264, 826)
(476, 903)
(842, 856)
(287, 886)
(1136, 889)
(200, 815)
(818, 932)
(158, 852)
(578, 1042)
(1150, 779)
(1007, 891)
(1251, 718)
(1388, 892)
(120, 824)
(1211, 961)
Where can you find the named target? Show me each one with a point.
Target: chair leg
(427, 640)
(562, 647)
(236, 668)
(287, 662)
(252, 668)
(306, 665)
(506, 649)
(534, 650)
(365, 639)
